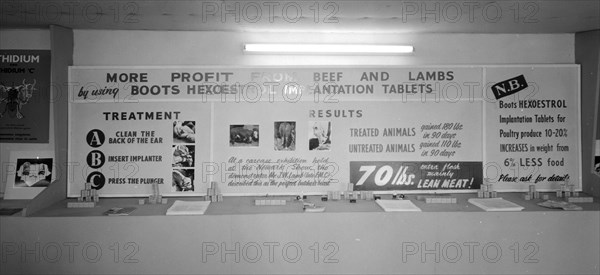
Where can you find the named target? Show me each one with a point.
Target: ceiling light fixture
(327, 49)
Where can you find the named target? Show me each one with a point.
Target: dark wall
(587, 54)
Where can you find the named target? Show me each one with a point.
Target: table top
(246, 205)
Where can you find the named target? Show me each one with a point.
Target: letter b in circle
(97, 179)
(95, 159)
(95, 138)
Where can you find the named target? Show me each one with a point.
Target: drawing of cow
(286, 133)
(242, 135)
(15, 97)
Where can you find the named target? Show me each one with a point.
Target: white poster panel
(311, 130)
(123, 148)
(532, 127)
(310, 148)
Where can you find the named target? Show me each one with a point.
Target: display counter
(237, 237)
(246, 205)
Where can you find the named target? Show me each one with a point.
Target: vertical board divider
(61, 40)
(212, 144)
(484, 108)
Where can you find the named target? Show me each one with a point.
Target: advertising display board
(533, 127)
(24, 96)
(275, 130)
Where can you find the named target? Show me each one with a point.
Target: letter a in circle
(95, 138)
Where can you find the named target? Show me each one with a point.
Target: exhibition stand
(124, 148)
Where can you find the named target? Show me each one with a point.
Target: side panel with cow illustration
(24, 96)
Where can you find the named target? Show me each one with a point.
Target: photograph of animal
(183, 155)
(319, 135)
(183, 180)
(15, 97)
(243, 135)
(184, 131)
(285, 135)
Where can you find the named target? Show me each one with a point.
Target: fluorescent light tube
(327, 49)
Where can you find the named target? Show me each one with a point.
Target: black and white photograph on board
(319, 135)
(33, 172)
(184, 131)
(285, 135)
(243, 135)
(597, 158)
(183, 155)
(183, 180)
